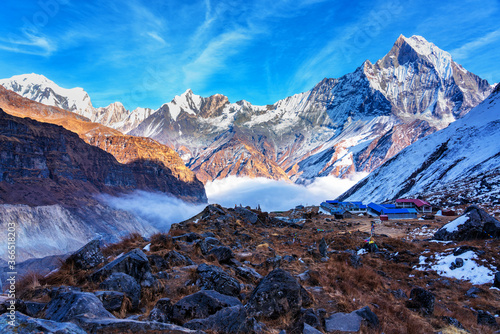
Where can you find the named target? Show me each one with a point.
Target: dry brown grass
(126, 244)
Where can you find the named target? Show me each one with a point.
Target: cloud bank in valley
(162, 210)
(159, 209)
(274, 195)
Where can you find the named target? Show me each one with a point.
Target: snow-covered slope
(467, 153)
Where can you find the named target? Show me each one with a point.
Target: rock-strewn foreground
(245, 271)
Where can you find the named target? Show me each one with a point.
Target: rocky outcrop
(215, 278)
(201, 305)
(87, 257)
(28, 325)
(121, 282)
(135, 264)
(231, 320)
(475, 223)
(277, 295)
(70, 306)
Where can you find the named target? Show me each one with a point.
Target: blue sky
(143, 53)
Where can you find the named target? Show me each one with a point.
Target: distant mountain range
(342, 126)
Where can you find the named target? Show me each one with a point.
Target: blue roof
(332, 202)
(357, 203)
(379, 208)
(389, 206)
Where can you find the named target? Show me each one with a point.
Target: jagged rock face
(460, 160)
(342, 126)
(147, 159)
(56, 160)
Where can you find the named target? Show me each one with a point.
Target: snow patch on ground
(471, 271)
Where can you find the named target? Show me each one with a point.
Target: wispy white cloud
(28, 43)
(464, 51)
(156, 37)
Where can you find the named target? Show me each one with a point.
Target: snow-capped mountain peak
(38, 88)
(439, 58)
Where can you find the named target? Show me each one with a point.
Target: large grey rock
(207, 244)
(111, 300)
(104, 325)
(135, 263)
(247, 215)
(421, 300)
(201, 305)
(123, 283)
(215, 278)
(162, 312)
(323, 247)
(367, 315)
(496, 280)
(308, 329)
(175, 259)
(484, 318)
(71, 305)
(27, 325)
(345, 322)
(475, 223)
(223, 254)
(87, 257)
(278, 294)
(248, 274)
(230, 320)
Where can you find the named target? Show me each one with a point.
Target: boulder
(278, 294)
(27, 325)
(135, 263)
(111, 300)
(368, 316)
(207, 244)
(230, 320)
(176, 259)
(158, 262)
(421, 300)
(344, 322)
(475, 223)
(484, 318)
(310, 330)
(472, 292)
(223, 254)
(248, 274)
(247, 215)
(308, 317)
(351, 322)
(69, 306)
(201, 305)
(496, 280)
(87, 257)
(162, 312)
(123, 283)
(215, 278)
(104, 326)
